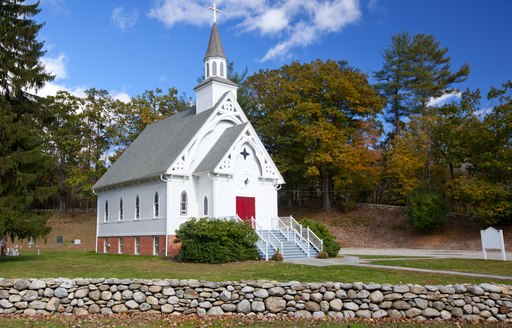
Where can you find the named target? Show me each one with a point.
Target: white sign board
(493, 239)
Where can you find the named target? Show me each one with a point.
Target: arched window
(222, 69)
(205, 206)
(121, 209)
(183, 203)
(137, 208)
(214, 68)
(156, 206)
(105, 218)
(207, 70)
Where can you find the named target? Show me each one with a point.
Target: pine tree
(23, 164)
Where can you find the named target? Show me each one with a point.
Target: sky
(129, 46)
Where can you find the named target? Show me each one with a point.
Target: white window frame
(120, 245)
(183, 203)
(106, 245)
(105, 213)
(136, 244)
(156, 205)
(156, 245)
(121, 209)
(137, 207)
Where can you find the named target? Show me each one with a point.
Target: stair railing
(287, 227)
(268, 237)
(304, 234)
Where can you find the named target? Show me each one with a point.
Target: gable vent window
(137, 208)
(183, 203)
(121, 210)
(105, 218)
(205, 206)
(214, 69)
(221, 69)
(156, 206)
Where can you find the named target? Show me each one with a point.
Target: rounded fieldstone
(401, 289)
(30, 295)
(95, 295)
(379, 314)
(139, 297)
(329, 296)
(79, 312)
(127, 294)
(48, 292)
(21, 284)
(318, 315)
(225, 296)
(312, 306)
(205, 305)
(190, 293)
(168, 291)
(247, 289)
(151, 300)
(29, 312)
(413, 312)
(81, 293)
(490, 288)
(5, 304)
(132, 304)
(336, 304)
(61, 292)
(363, 294)
(276, 291)
(37, 284)
(53, 304)
(302, 314)
(476, 290)
(37, 305)
(275, 304)
(394, 314)
(365, 314)
(261, 293)
(445, 315)
(144, 307)
(376, 297)
(244, 306)
(66, 283)
(341, 294)
(430, 313)
(216, 310)
(108, 311)
(258, 306)
(21, 305)
(447, 290)
(228, 307)
(350, 306)
(421, 303)
(167, 308)
(155, 288)
(106, 295)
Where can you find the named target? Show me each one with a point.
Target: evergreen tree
(23, 164)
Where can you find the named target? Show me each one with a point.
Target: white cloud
(122, 96)
(445, 99)
(56, 66)
(124, 18)
(57, 7)
(294, 23)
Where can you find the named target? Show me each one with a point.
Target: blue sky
(128, 46)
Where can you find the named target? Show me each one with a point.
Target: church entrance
(246, 207)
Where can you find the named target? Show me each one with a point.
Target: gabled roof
(214, 46)
(155, 148)
(220, 148)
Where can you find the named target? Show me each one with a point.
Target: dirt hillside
(362, 227)
(387, 228)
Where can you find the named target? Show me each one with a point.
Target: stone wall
(300, 300)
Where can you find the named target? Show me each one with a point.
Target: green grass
(75, 264)
(461, 265)
(147, 321)
(389, 257)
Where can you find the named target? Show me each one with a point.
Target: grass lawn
(74, 264)
(189, 321)
(462, 265)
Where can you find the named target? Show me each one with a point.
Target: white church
(207, 161)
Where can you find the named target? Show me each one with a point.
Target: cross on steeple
(215, 11)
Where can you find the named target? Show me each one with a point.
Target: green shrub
(330, 245)
(216, 241)
(323, 255)
(426, 209)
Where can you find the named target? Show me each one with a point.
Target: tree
(23, 164)
(64, 140)
(316, 119)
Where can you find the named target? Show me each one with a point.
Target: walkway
(350, 258)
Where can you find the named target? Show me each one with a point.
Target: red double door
(246, 207)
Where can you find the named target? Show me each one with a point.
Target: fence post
(309, 251)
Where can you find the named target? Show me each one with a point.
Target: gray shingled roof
(214, 46)
(217, 79)
(155, 149)
(220, 148)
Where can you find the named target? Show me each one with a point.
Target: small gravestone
(492, 239)
(77, 242)
(59, 240)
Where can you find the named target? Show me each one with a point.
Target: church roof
(217, 79)
(214, 46)
(220, 148)
(155, 148)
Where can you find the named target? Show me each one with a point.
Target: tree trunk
(289, 198)
(63, 197)
(325, 191)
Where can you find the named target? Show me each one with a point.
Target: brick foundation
(146, 245)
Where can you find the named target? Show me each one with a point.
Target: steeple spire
(215, 83)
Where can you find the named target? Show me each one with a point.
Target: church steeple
(216, 83)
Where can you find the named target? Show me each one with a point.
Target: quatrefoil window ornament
(229, 106)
